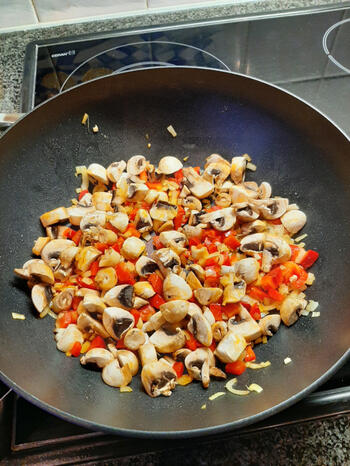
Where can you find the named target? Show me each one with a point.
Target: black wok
(298, 150)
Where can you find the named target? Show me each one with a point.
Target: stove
(304, 52)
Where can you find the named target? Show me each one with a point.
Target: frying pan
(297, 149)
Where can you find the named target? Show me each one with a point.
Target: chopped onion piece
(301, 237)
(254, 387)
(125, 389)
(84, 119)
(82, 170)
(172, 131)
(304, 312)
(251, 166)
(17, 316)
(216, 395)
(229, 387)
(186, 158)
(260, 365)
(287, 360)
(316, 314)
(44, 312)
(312, 306)
(184, 380)
(204, 406)
(52, 314)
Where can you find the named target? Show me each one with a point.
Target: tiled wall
(19, 13)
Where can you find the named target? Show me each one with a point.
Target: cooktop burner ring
(325, 46)
(151, 42)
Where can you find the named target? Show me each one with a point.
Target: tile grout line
(34, 9)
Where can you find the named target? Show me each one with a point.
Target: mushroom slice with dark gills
(77, 212)
(219, 330)
(174, 311)
(180, 355)
(63, 301)
(167, 260)
(208, 295)
(191, 203)
(163, 211)
(137, 191)
(117, 321)
(55, 231)
(198, 364)
(246, 212)
(93, 219)
(115, 170)
(145, 266)
(200, 328)
(168, 338)
(136, 165)
(257, 226)
(67, 256)
(96, 358)
(217, 172)
(221, 220)
(174, 239)
(41, 296)
(88, 324)
(51, 252)
(158, 378)
(244, 325)
(198, 186)
(291, 308)
(270, 324)
(143, 221)
(234, 292)
(257, 242)
(41, 272)
(238, 166)
(120, 296)
(271, 209)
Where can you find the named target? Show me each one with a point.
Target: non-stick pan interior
(296, 149)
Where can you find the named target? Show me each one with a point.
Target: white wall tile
(16, 13)
(59, 10)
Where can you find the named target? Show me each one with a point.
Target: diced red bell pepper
(295, 251)
(156, 185)
(82, 194)
(216, 311)
(157, 243)
(214, 208)
(67, 318)
(156, 301)
(94, 268)
(69, 233)
(120, 344)
(272, 280)
(230, 309)
(178, 368)
(133, 213)
(255, 312)
(276, 221)
(108, 226)
(75, 302)
(212, 235)
(194, 242)
(76, 237)
(197, 169)
(235, 368)
(143, 175)
(101, 246)
(309, 258)
(249, 354)
(226, 258)
(192, 343)
(180, 218)
(212, 346)
(179, 176)
(246, 305)
(275, 295)
(125, 277)
(76, 348)
(212, 280)
(231, 242)
(97, 342)
(136, 313)
(146, 312)
(156, 282)
(132, 231)
(212, 261)
(118, 245)
(257, 293)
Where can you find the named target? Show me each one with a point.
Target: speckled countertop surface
(325, 442)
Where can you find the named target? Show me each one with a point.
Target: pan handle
(7, 119)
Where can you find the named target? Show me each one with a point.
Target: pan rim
(205, 431)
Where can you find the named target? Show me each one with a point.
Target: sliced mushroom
(106, 278)
(145, 266)
(133, 248)
(54, 216)
(238, 166)
(235, 292)
(67, 256)
(158, 378)
(216, 158)
(192, 203)
(137, 192)
(271, 209)
(173, 239)
(265, 190)
(167, 260)
(180, 355)
(51, 252)
(168, 165)
(144, 290)
(221, 220)
(208, 295)
(55, 231)
(270, 324)
(136, 165)
(219, 330)
(200, 328)
(293, 221)
(217, 373)
(117, 321)
(41, 297)
(174, 311)
(257, 242)
(240, 193)
(96, 358)
(175, 287)
(110, 258)
(168, 338)
(63, 301)
(246, 212)
(230, 347)
(85, 257)
(115, 170)
(102, 200)
(82, 292)
(116, 376)
(39, 244)
(192, 231)
(98, 173)
(143, 221)
(134, 338)
(41, 272)
(139, 302)
(77, 212)
(193, 281)
(198, 270)
(120, 296)
(67, 337)
(126, 357)
(198, 186)
(291, 308)
(247, 268)
(85, 201)
(147, 353)
(217, 172)
(119, 220)
(244, 325)
(93, 219)
(163, 211)
(154, 322)
(198, 364)
(249, 228)
(88, 324)
(93, 304)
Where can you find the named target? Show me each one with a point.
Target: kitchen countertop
(312, 443)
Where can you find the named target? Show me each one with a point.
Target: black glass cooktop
(306, 53)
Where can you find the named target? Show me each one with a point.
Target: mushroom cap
(145, 266)
(134, 338)
(144, 289)
(217, 171)
(98, 172)
(158, 378)
(85, 257)
(120, 296)
(221, 220)
(143, 221)
(195, 360)
(168, 165)
(173, 239)
(238, 166)
(293, 221)
(117, 321)
(200, 328)
(246, 212)
(115, 170)
(51, 252)
(93, 303)
(270, 324)
(92, 219)
(119, 220)
(230, 347)
(168, 338)
(234, 293)
(198, 186)
(77, 212)
(41, 272)
(175, 287)
(174, 311)
(219, 330)
(248, 269)
(136, 165)
(163, 211)
(154, 322)
(116, 376)
(208, 295)
(97, 357)
(128, 357)
(133, 248)
(41, 296)
(291, 307)
(167, 260)
(272, 208)
(244, 325)
(86, 323)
